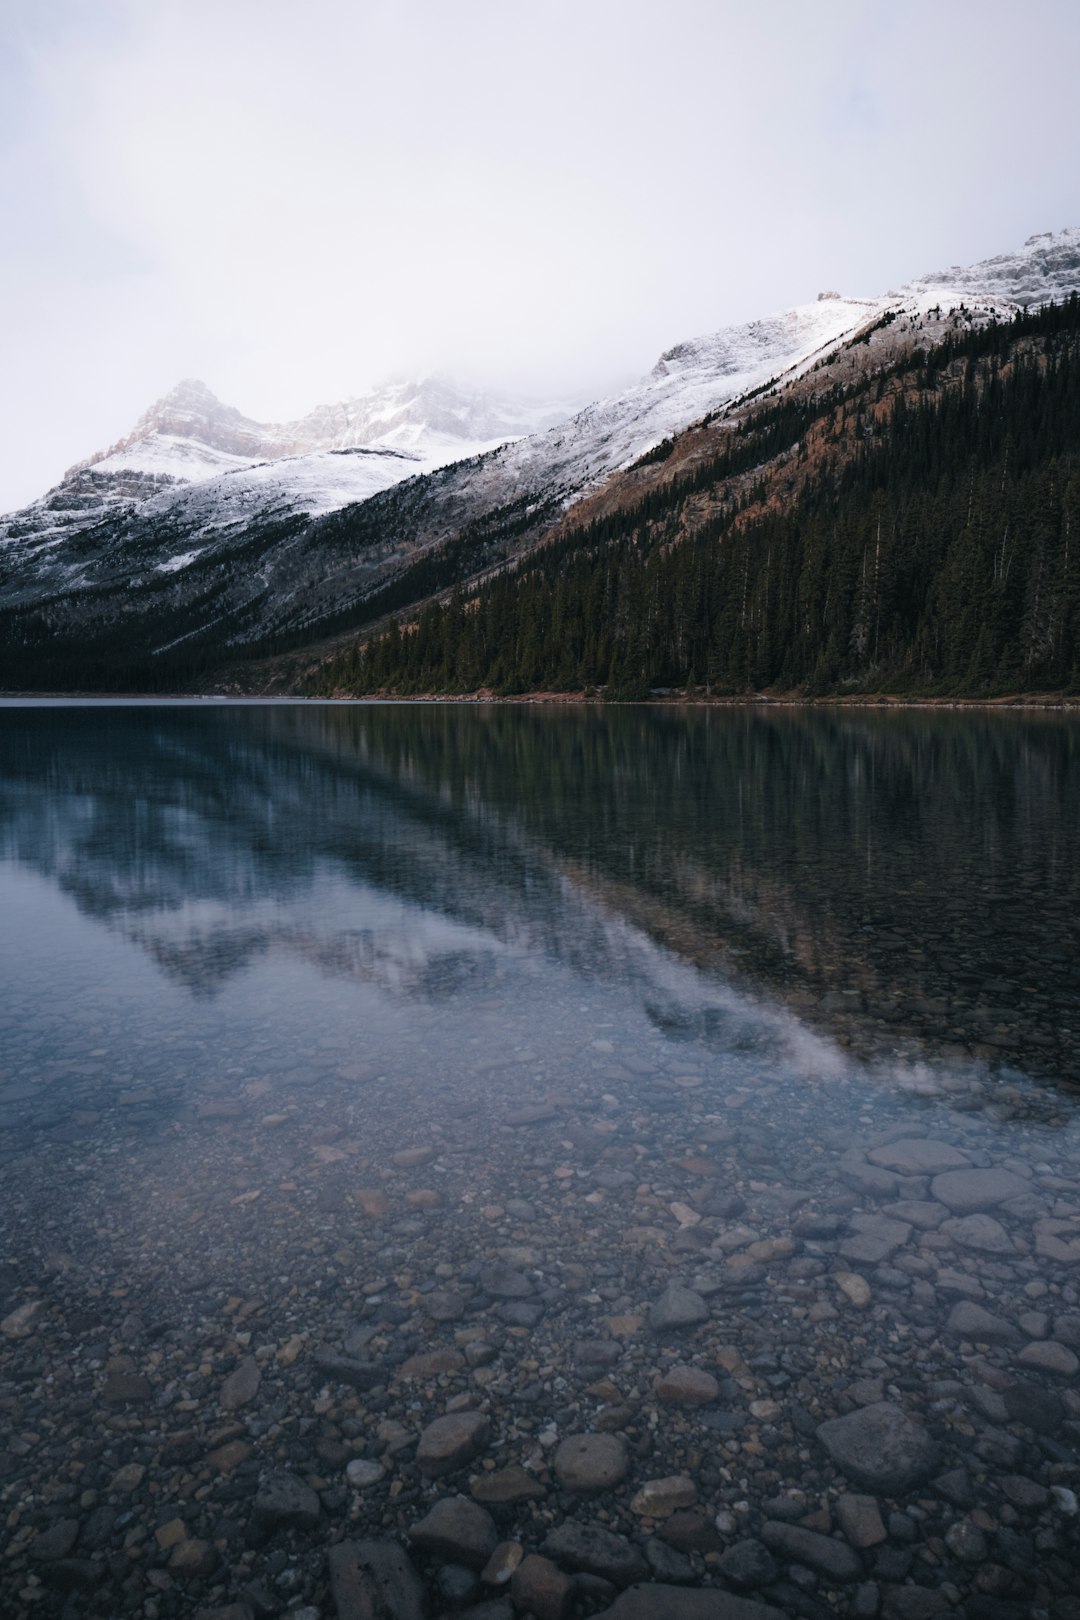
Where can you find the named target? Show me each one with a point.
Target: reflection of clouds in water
(374, 938)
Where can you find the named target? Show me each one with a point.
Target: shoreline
(1056, 702)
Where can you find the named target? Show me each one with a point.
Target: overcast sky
(293, 199)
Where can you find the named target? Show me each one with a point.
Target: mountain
(204, 540)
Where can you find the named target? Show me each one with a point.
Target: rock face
(450, 1442)
(880, 1447)
(591, 1462)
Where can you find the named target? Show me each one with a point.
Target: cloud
(293, 202)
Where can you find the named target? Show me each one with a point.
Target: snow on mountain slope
(190, 433)
(230, 524)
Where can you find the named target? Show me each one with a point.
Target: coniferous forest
(924, 540)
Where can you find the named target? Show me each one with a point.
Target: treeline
(939, 554)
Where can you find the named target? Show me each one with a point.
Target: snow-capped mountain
(189, 434)
(202, 525)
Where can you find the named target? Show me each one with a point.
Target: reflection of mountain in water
(906, 873)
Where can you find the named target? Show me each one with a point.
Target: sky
(296, 199)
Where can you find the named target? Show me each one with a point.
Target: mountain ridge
(265, 554)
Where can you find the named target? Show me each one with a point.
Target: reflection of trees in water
(922, 860)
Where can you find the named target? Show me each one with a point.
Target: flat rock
(591, 1462)
(678, 1307)
(590, 1549)
(967, 1320)
(505, 1282)
(285, 1502)
(687, 1386)
(662, 1602)
(659, 1498)
(430, 1364)
(880, 1447)
(511, 1484)
(342, 1369)
(241, 1386)
(967, 1192)
(826, 1555)
(1049, 1357)
(979, 1232)
(457, 1530)
(874, 1239)
(918, 1156)
(450, 1442)
(369, 1578)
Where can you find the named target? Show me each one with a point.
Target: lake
(647, 1124)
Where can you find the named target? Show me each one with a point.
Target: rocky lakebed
(639, 1343)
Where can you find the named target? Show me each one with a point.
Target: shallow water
(251, 955)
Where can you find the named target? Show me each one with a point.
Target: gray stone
(284, 1502)
(677, 1307)
(824, 1554)
(541, 1589)
(55, 1542)
(591, 1462)
(967, 1542)
(1067, 1330)
(661, 1602)
(875, 1239)
(868, 1179)
(687, 1386)
(1050, 1357)
(979, 1232)
(880, 1447)
(860, 1520)
(450, 1442)
(666, 1563)
(241, 1386)
(918, 1157)
(748, 1564)
(970, 1321)
(368, 1578)
(504, 1282)
(1040, 1409)
(457, 1530)
(594, 1550)
(341, 1369)
(927, 1214)
(913, 1603)
(966, 1192)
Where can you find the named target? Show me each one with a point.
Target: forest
(928, 547)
